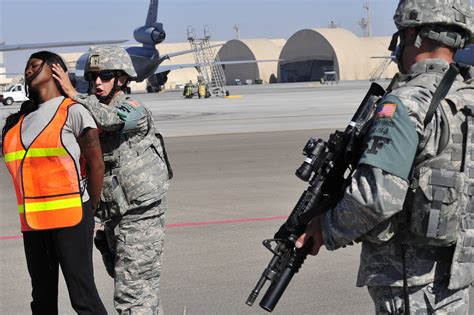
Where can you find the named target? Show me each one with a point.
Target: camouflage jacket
(135, 172)
(373, 209)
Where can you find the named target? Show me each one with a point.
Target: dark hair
(31, 105)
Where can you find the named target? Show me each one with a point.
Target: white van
(15, 93)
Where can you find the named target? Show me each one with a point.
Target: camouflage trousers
(433, 298)
(138, 247)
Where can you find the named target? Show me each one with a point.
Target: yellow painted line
(233, 96)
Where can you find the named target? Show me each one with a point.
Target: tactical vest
(441, 200)
(135, 171)
(45, 176)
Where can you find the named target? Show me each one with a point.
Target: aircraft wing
(465, 55)
(11, 73)
(236, 62)
(183, 52)
(58, 44)
(164, 68)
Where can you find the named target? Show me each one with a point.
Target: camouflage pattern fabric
(414, 13)
(138, 248)
(371, 210)
(110, 57)
(136, 174)
(132, 200)
(433, 298)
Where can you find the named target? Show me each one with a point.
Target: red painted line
(183, 225)
(12, 237)
(190, 224)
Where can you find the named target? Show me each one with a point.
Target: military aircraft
(146, 58)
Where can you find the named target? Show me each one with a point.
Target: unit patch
(377, 143)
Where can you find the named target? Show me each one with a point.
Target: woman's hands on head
(63, 79)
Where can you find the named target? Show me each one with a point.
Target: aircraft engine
(150, 35)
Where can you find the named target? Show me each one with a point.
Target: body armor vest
(135, 170)
(441, 199)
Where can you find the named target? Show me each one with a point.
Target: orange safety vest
(45, 176)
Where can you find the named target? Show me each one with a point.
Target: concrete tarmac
(234, 163)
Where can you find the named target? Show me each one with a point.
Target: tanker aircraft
(146, 59)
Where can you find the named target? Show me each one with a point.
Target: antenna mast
(365, 24)
(369, 19)
(237, 31)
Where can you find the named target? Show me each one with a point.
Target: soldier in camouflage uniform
(410, 201)
(135, 184)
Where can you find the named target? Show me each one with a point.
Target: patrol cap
(415, 13)
(110, 57)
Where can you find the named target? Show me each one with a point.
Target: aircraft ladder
(380, 70)
(208, 63)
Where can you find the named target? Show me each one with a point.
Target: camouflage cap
(413, 13)
(110, 57)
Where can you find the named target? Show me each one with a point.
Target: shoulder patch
(134, 103)
(386, 111)
(392, 140)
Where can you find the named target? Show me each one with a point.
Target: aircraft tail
(152, 15)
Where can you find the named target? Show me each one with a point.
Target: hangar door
(305, 70)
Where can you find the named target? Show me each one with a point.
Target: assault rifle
(327, 167)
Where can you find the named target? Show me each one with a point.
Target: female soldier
(135, 183)
(42, 146)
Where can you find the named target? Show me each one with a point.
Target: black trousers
(70, 248)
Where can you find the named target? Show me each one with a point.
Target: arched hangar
(251, 49)
(310, 52)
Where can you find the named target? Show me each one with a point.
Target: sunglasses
(103, 75)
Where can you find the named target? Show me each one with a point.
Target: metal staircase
(208, 63)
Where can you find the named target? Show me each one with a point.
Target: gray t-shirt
(77, 121)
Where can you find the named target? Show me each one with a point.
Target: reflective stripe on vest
(45, 176)
(38, 152)
(51, 205)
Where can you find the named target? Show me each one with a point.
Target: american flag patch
(387, 111)
(134, 103)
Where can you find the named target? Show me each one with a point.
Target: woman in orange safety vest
(42, 147)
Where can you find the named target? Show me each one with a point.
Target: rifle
(328, 167)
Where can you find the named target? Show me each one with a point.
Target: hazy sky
(32, 21)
